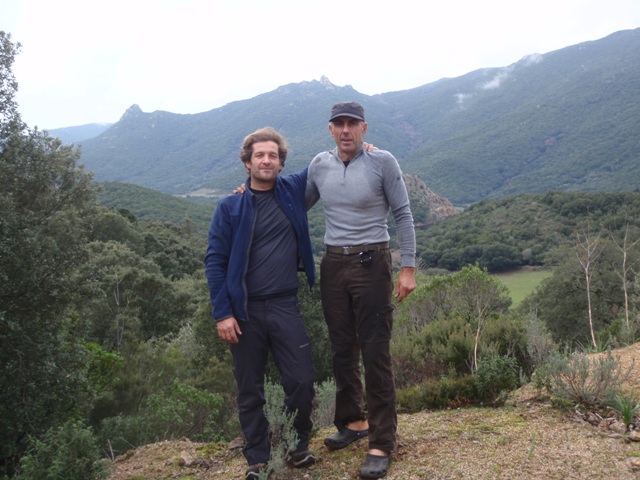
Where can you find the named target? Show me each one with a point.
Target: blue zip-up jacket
(230, 234)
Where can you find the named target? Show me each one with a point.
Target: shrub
(495, 378)
(626, 407)
(579, 380)
(123, 432)
(438, 393)
(183, 411)
(324, 404)
(540, 344)
(68, 452)
(284, 437)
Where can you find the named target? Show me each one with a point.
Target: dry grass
(526, 439)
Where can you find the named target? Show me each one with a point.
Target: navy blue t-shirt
(273, 257)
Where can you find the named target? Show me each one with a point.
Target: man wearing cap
(358, 188)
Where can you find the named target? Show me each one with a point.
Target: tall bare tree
(587, 251)
(627, 267)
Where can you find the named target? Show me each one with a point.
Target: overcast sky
(84, 61)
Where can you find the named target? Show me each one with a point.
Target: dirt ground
(526, 439)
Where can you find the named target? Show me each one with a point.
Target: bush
(495, 378)
(438, 393)
(183, 411)
(627, 407)
(578, 380)
(68, 452)
(540, 344)
(324, 404)
(283, 435)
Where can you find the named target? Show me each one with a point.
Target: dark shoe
(302, 459)
(253, 472)
(375, 466)
(344, 437)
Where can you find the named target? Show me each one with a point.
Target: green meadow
(522, 282)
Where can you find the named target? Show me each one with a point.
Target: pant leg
(371, 287)
(249, 359)
(292, 354)
(345, 351)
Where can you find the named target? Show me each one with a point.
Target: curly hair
(265, 134)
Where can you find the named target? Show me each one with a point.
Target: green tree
(9, 117)
(45, 200)
(560, 301)
(446, 316)
(479, 296)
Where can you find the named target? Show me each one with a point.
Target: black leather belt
(373, 247)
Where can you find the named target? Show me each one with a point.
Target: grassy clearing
(522, 282)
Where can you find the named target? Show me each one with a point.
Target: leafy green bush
(183, 411)
(69, 452)
(496, 377)
(122, 432)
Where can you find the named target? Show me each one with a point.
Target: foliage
(560, 301)
(183, 411)
(446, 318)
(151, 205)
(626, 406)
(540, 345)
(534, 226)
(496, 376)
(313, 317)
(102, 367)
(576, 379)
(440, 392)
(69, 451)
(283, 435)
(324, 404)
(46, 199)
(180, 411)
(10, 121)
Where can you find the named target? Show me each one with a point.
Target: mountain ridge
(566, 120)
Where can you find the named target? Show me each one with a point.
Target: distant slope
(566, 120)
(80, 133)
(147, 204)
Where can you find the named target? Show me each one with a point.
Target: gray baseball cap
(347, 109)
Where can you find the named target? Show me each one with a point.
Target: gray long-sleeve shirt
(357, 198)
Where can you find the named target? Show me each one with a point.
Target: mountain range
(567, 120)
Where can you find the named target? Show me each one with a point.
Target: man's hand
(240, 189)
(406, 283)
(369, 147)
(229, 330)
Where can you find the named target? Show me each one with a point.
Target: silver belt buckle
(345, 250)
